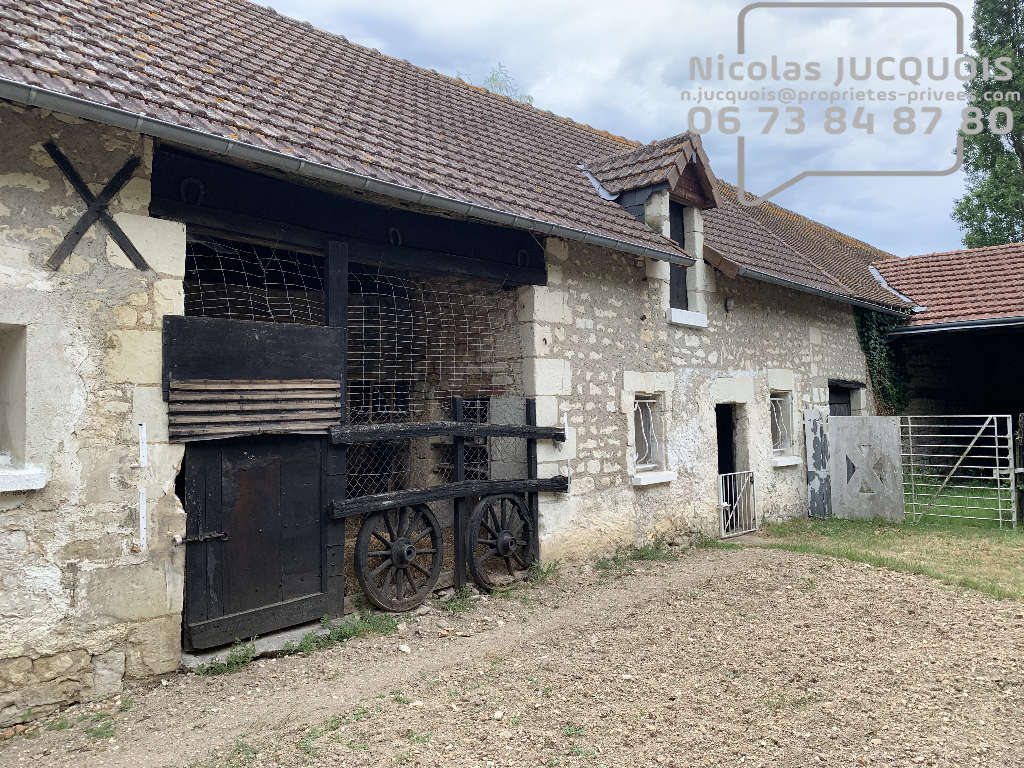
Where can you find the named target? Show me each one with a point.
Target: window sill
(778, 462)
(653, 478)
(27, 478)
(687, 318)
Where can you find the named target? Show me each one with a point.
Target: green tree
(501, 81)
(992, 211)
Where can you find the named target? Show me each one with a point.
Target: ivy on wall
(887, 369)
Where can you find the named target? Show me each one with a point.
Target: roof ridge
(630, 143)
(958, 251)
(636, 147)
(841, 235)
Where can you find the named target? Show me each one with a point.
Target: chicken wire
(414, 343)
(244, 281)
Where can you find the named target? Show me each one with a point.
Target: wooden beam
(381, 501)
(373, 433)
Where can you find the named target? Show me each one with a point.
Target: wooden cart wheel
(398, 557)
(501, 532)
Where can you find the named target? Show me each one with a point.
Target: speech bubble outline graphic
(751, 201)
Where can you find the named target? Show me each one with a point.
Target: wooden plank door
(278, 563)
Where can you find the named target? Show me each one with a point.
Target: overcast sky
(621, 68)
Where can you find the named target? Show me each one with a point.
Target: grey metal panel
(865, 467)
(819, 487)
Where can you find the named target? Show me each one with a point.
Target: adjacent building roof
(969, 286)
(237, 78)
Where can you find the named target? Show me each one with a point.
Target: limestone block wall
(598, 331)
(86, 598)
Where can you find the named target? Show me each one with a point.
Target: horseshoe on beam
(96, 209)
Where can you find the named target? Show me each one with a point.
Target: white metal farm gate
(959, 467)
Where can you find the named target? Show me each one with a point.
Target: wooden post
(459, 522)
(532, 498)
(334, 479)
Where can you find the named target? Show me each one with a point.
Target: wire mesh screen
(959, 467)
(244, 281)
(414, 343)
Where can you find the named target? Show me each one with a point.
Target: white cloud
(621, 68)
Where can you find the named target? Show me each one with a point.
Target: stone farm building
(269, 298)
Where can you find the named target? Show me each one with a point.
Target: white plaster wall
(609, 327)
(81, 604)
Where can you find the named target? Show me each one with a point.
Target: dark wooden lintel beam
(230, 224)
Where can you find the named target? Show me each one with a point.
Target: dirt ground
(744, 656)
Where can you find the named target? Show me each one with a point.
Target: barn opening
(352, 402)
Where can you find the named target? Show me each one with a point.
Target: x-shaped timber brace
(96, 209)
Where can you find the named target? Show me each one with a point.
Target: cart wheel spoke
(421, 536)
(381, 539)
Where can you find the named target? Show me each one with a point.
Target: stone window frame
(688, 226)
(782, 382)
(16, 474)
(658, 386)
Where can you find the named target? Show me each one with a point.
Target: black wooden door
(262, 555)
(253, 400)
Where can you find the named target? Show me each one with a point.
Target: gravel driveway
(721, 657)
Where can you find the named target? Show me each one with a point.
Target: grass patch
(573, 730)
(620, 562)
(240, 656)
(240, 755)
(102, 726)
(419, 737)
(989, 560)
(544, 573)
(126, 703)
(460, 602)
(367, 623)
(703, 541)
(62, 723)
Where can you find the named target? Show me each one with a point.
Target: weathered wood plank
(245, 407)
(217, 348)
(228, 397)
(255, 384)
(369, 433)
(319, 414)
(381, 501)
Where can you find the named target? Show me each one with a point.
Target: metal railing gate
(738, 504)
(959, 467)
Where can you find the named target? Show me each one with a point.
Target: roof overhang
(960, 325)
(34, 96)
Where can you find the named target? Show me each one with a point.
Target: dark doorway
(725, 420)
(839, 400)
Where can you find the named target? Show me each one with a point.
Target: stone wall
(598, 331)
(83, 603)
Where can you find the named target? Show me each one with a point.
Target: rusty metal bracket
(96, 209)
